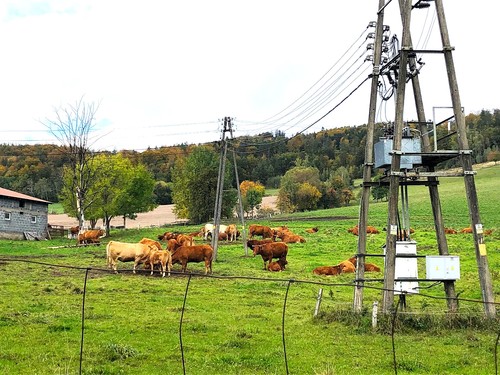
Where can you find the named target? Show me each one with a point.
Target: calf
(196, 253)
(277, 266)
(271, 250)
(369, 267)
(347, 267)
(90, 236)
(328, 270)
(312, 230)
(161, 257)
(232, 232)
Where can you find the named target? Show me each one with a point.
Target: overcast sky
(166, 72)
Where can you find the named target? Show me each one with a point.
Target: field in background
(237, 321)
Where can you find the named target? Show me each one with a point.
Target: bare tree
(72, 126)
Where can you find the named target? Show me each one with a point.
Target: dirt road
(160, 216)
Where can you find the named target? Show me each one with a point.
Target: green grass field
(242, 319)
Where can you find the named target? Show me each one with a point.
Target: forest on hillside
(37, 169)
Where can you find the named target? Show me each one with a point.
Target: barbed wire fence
(396, 311)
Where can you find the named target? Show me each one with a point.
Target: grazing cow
(154, 243)
(167, 235)
(161, 257)
(328, 270)
(127, 252)
(277, 266)
(232, 232)
(90, 236)
(369, 267)
(73, 231)
(347, 267)
(466, 230)
(450, 231)
(260, 230)
(290, 237)
(487, 232)
(312, 230)
(271, 250)
(196, 253)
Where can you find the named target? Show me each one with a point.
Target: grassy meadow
(242, 319)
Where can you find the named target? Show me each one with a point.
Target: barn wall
(25, 216)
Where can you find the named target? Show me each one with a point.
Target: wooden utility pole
(466, 159)
(227, 127)
(367, 167)
(408, 72)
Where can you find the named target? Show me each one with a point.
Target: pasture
(242, 319)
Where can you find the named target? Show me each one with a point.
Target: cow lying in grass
(277, 266)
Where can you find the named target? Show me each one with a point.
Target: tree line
(311, 171)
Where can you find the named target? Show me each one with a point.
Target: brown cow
(232, 232)
(466, 230)
(328, 270)
(90, 236)
(312, 230)
(450, 231)
(271, 250)
(347, 267)
(161, 257)
(277, 266)
(154, 243)
(260, 230)
(172, 245)
(73, 231)
(290, 237)
(369, 229)
(196, 253)
(252, 243)
(369, 267)
(127, 252)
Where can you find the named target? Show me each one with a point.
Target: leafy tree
(307, 197)
(251, 194)
(294, 190)
(379, 192)
(195, 186)
(163, 192)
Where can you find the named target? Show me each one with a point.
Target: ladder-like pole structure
(466, 159)
(367, 167)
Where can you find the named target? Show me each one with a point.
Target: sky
(167, 72)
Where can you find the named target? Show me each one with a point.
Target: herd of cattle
(180, 248)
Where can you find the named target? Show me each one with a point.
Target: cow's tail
(108, 263)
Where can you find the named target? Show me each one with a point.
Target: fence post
(318, 302)
(374, 314)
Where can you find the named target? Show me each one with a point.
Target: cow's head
(257, 249)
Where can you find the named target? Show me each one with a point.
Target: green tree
(195, 185)
(296, 187)
(251, 195)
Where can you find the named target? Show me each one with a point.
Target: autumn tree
(300, 189)
(251, 195)
(72, 126)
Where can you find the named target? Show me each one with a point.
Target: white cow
(209, 229)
